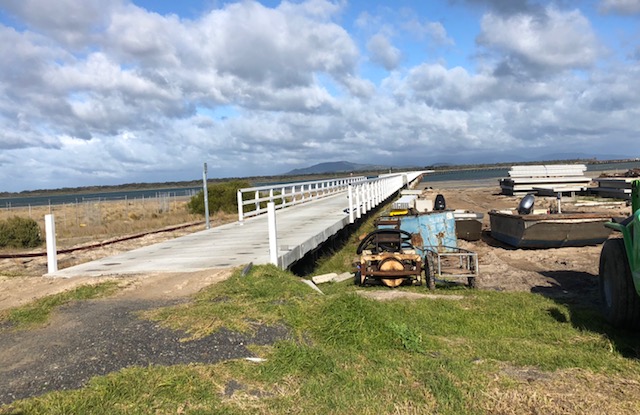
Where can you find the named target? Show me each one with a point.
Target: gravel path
(96, 337)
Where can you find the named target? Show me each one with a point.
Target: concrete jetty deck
(300, 229)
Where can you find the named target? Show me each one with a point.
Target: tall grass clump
(222, 197)
(18, 232)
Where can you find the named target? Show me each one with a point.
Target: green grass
(350, 354)
(38, 312)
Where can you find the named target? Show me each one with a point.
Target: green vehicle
(620, 269)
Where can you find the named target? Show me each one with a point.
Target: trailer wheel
(471, 281)
(621, 303)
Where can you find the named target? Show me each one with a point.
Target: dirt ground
(557, 272)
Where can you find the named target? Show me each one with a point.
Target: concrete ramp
(301, 229)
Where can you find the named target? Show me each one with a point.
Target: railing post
(358, 201)
(240, 207)
(351, 218)
(257, 203)
(273, 233)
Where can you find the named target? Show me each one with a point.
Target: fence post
(273, 233)
(52, 254)
(206, 196)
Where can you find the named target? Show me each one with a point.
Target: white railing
(363, 195)
(288, 194)
(366, 195)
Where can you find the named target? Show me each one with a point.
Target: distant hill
(334, 167)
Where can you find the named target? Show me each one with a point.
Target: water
(9, 202)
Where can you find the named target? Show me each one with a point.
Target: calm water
(459, 175)
(8, 202)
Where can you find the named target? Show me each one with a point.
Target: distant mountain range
(334, 167)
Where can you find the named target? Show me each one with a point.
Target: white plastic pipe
(52, 253)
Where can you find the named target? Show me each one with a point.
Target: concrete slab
(301, 229)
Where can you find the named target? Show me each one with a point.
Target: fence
(253, 200)
(89, 219)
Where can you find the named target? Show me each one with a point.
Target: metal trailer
(449, 263)
(434, 236)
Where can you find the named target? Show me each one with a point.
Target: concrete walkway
(301, 228)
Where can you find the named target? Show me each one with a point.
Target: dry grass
(563, 392)
(95, 221)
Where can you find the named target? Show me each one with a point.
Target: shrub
(17, 232)
(222, 197)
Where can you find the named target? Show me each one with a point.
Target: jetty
(277, 224)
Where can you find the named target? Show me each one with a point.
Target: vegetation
(18, 232)
(38, 312)
(222, 197)
(487, 352)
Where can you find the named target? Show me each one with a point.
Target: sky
(96, 92)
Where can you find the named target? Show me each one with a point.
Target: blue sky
(95, 92)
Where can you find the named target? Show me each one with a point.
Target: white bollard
(273, 233)
(52, 253)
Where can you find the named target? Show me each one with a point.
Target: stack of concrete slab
(614, 187)
(545, 179)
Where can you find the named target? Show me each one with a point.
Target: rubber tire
(620, 301)
(471, 281)
(357, 278)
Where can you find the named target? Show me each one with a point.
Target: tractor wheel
(357, 278)
(621, 303)
(429, 278)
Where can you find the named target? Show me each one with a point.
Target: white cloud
(554, 41)
(108, 92)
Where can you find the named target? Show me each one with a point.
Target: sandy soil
(557, 272)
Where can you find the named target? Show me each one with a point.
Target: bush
(17, 232)
(222, 197)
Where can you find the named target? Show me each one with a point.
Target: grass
(38, 312)
(351, 354)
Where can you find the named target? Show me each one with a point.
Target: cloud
(108, 92)
(383, 52)
(434, 31)
(555, 41)
(69, 22)
(624, 7)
